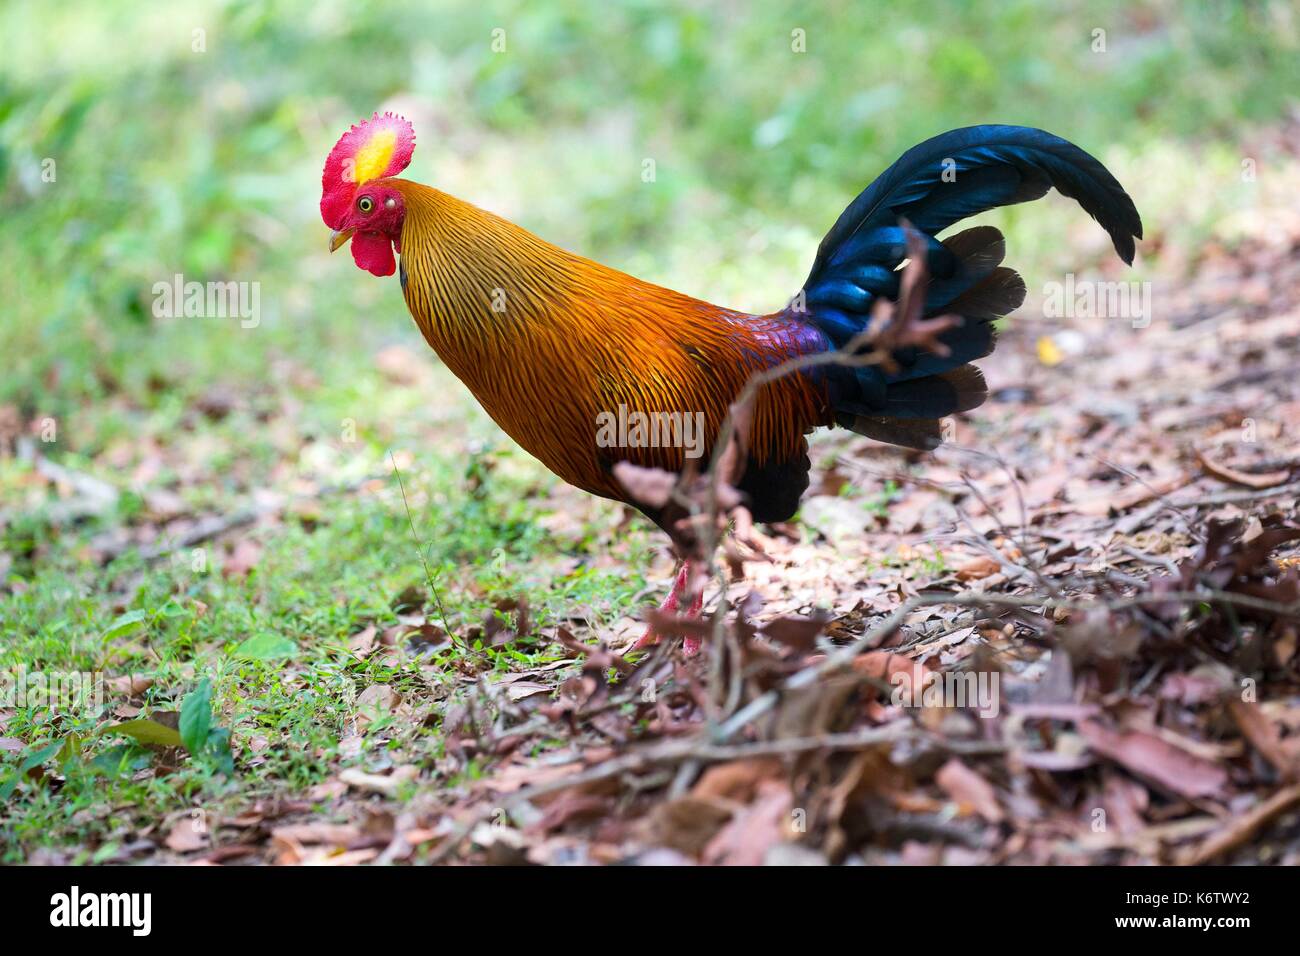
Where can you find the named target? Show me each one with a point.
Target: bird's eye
(365, 204)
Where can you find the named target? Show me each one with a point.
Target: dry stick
(1162, 497)
(215, 527)
(1241, 829)
(1023, 543)
(1231, 497)
(96, 497)
(761, 705)
(682, 751)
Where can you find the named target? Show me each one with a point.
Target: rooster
(549, 342)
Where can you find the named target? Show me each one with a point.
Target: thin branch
(845, 655)
(677, 752)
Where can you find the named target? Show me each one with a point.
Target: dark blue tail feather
(940, 182)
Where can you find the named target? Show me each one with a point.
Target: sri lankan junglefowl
(551, 344)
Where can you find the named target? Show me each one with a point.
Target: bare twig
(1242, 828)
(871, 638)
(680, 752)
(217, 525)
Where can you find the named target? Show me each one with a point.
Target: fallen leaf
(242, 558)
(375, 783)
(335, 834)
(969, 790)
(147, 732)
(187, 835)
(374, 703)
(362, 643)
(755, 829)
(688, 823)
(736, 780)
(129, 685)
(1264, 736)
(1154, 759)
(518, 690)
(981, 567)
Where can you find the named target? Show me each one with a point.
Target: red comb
(373, 149)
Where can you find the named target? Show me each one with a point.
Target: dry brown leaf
(242, 558)
(1265, 737)
(388, 785)
(978, 568)
(755, 829)
(969, 790)
(885, 665)
(362, 643)
(736, 780)
(188, 834)
(129, 685)
(1156, 760)
(334, 834)
(376, 701)
(688, 823)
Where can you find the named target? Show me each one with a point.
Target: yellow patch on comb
(373, 158)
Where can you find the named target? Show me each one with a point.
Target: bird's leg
(691, 645)
(651, 636)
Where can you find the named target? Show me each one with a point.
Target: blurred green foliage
(188, 138)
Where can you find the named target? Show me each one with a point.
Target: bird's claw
(691, 645)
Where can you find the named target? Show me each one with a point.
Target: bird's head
(357, 202)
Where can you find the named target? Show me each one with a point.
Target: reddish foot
(692, 644)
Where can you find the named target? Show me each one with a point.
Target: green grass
(169, 160)
(314, 590)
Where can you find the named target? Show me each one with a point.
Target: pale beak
(338, 237)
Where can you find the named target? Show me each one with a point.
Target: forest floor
(1093, 591)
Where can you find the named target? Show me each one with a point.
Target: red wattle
(373, 252)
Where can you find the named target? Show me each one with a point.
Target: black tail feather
(933, 185)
